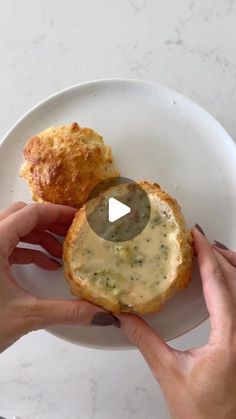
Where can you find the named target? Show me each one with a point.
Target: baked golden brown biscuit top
(62, 164)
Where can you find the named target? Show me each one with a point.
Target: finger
(218, 299)
(229, 255)
(55, 228)
(229, 273)
(10, 210)
(46, 240)
(58, 229)
(71, 312)
(156, 352)
(22, 222)
(22, 256)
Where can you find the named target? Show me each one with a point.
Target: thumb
(156, 352)
(71, 312)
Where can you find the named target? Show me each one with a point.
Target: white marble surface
(46, 46)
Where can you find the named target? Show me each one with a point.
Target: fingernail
(220, 245)
(105, 319)
(199, 228)
(56, 261)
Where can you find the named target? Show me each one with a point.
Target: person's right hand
(199, 383)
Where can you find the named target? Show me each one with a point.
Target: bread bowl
(137, 275)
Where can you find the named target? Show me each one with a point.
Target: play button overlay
(118, 209)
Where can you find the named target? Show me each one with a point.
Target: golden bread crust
(63, 164)
(82, 289)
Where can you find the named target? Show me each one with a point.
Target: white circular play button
(118, 209)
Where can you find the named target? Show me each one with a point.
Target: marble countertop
(47, 46)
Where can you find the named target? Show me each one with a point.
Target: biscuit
(62, 164)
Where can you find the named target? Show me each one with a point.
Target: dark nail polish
(199, 228)
(58, 263)
(220, 245)
(105, 319)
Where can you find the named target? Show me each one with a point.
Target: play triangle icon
(116, 210)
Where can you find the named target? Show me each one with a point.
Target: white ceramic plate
(156, 134)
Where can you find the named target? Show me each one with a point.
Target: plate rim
(114, 80)
(126, 347)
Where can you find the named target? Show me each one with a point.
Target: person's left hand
(21, 312)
